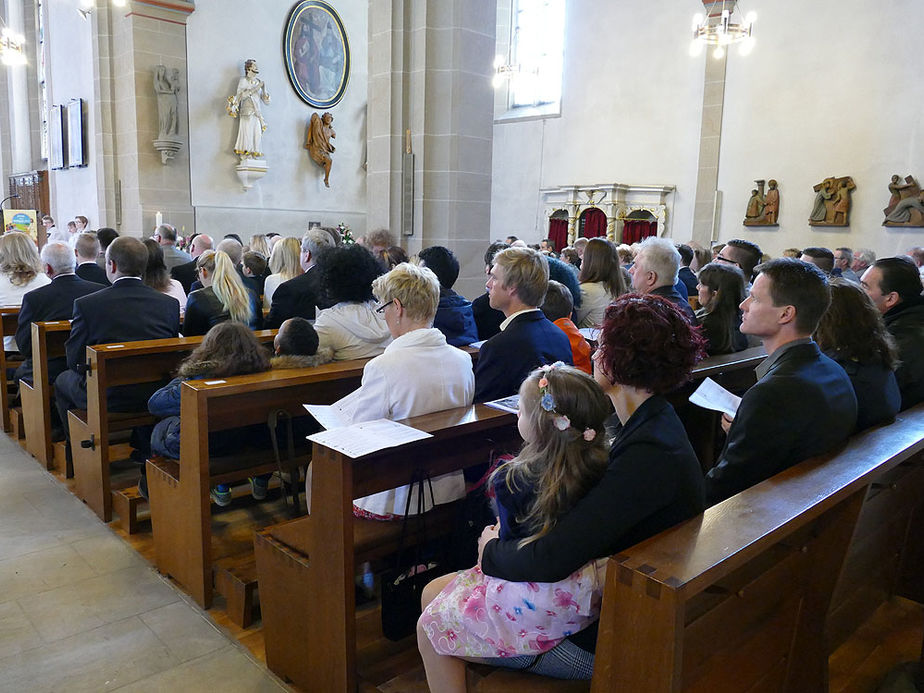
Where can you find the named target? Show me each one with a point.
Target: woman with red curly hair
(652, 481)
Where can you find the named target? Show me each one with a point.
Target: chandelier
(11, 46)
(722, 26)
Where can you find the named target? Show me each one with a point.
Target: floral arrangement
(346, 237)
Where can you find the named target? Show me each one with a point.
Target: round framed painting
(317, 53)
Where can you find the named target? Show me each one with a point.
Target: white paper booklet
(511, 404)
(327, 415)
(368, 437)
(711, 395)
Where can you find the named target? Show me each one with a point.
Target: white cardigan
(419, 373)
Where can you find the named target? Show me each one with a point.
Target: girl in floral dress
(561, 418)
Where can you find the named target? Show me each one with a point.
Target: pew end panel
(48, 339)
(9, 319)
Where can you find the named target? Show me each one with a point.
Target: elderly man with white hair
(54, 301)
(657, 263)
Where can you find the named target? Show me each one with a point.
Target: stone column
(707, 210)
(430, 67)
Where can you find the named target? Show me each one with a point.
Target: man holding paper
(803, 403)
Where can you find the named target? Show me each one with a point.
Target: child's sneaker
(258, 487)
(221, 495)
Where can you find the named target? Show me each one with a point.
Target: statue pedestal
(249, 171)
(168, 147)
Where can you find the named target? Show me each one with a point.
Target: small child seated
(296, 346)
(558, 306)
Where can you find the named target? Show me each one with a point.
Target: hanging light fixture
(11, 46)
(722, 26)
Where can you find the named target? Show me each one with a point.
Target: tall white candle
(158, 219)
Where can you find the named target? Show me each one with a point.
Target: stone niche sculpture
(166, 88)
(906, 205)
(832, 202)
(763, 208)
(318, 143)
(245, 106)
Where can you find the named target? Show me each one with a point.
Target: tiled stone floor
(81, 611)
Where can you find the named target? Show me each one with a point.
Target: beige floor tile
(185, 631)
(107, 553)
(101, 660)
(89, 603)
(230, 670)
(16, 632)
(41, 571)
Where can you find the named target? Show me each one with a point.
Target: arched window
(592, 223)
(638, 226)
(558, 228)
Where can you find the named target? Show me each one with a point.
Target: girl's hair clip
(589, 434)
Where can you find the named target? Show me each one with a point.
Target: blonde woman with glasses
(222, 297)
(21, 271)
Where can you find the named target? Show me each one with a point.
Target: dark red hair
(647, 343)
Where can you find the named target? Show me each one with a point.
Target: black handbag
(403, 585)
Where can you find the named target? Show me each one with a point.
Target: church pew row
(735, 599)
(9, 318)
(48, 339)
(306, 566)
(108, 365)
(754, 593)
(179, 489)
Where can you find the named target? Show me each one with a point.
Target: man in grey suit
(165, 234)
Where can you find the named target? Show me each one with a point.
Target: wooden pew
(48, 339)
(306, 566)
(738, 598)
(110, 365)
(9, 319)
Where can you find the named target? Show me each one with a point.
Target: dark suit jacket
(91, 272)
(505, 360)
(674, 296)
(689, 280)
(185, 274)
(487, 319)
(53, 301)
(204, 310)
(127, 311)
(296, 298)
(803, 406)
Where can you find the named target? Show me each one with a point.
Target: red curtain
(635, 230)
(558, 233)
(594, 223)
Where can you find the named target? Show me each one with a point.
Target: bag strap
(272, 423)
(417, 480)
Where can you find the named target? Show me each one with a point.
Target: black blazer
(204, 311)
(672, 294)
(91, 272)
(127, 311)
(297, 298)
(689, 280)
(185, 274)
(804, 406)
(487, 319)
(505, 360)
(53, 301)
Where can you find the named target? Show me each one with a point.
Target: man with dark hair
(742, 254)
(685, 274)
(127, 311)
(510, 240)
(843, 259)
(488, 319)
(516, 286)
(86, 248)
(105, 236)
(803, 403)
(296, 346)
(301, 297)
(894, 285)
(454, 317)
(822, 258)
(165, 234)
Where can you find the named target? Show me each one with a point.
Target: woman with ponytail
(222, 297)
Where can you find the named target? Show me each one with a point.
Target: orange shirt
(580, 349)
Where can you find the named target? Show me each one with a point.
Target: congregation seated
(822, 258)
(105, 236)
(853, 333)
(283, 265)
(127, 311)
(158, 278)
(567, 274)
(454, 317)
(487, 319)
(296, 345)
(229, 348)
(353, 327)
(685, 275)
(803, 403)
(601, 282)
(744, 255)
(165, 235)
(418, 373)
(654, 272)
(651, 481)
(87, 249)
(54, 301)
(222, 297)
(391, 257)
(720, 292)
(843, 260)
(302, 295)
(894, 285)
(516, 286)
(20, 273)
(558, 306)
(185, 273)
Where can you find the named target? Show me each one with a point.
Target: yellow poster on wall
(25, 220)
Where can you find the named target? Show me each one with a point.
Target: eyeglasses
(381, 308)
(719, 258)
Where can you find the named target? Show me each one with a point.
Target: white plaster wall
(69, 40)
(631, 107)
(220, 36)
(827, 91)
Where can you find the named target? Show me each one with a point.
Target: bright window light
(538, 46)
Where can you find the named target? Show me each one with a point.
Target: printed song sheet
(711, 395)
(368, 437)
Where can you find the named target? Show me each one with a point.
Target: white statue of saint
(245, 106)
